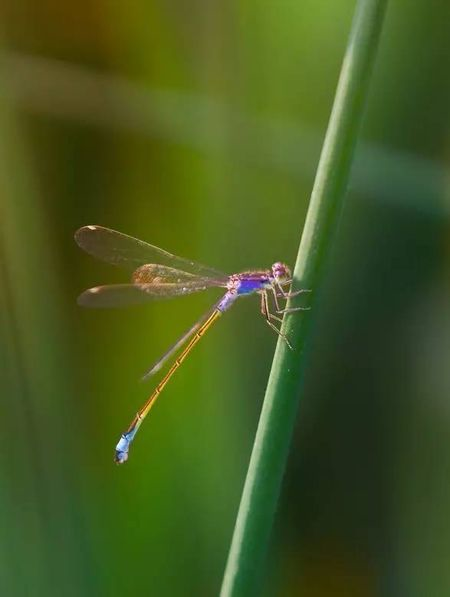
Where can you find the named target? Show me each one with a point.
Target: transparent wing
(122, 295)
(156, 274)
(121, 249)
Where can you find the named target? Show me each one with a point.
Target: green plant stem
(275, 429)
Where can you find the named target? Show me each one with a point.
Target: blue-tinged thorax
(249, 286)
(242, 284)
(250, 282)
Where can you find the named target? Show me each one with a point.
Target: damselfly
(159, 275)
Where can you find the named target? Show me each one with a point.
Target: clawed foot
(293, 309)
(288, 295)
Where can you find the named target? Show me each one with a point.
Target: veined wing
(121, 249)
(122, 295)
(154, 273)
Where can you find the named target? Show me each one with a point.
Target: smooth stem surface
(273, 437)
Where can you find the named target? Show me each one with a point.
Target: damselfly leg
(270, 317)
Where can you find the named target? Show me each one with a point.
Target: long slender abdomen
(126, 438)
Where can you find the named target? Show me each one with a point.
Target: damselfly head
(281, 272)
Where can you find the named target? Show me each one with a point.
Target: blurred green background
(197, 126)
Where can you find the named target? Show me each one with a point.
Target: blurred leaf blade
(49, 87)
(40, 464)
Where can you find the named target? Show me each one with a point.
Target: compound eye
(278, 269)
